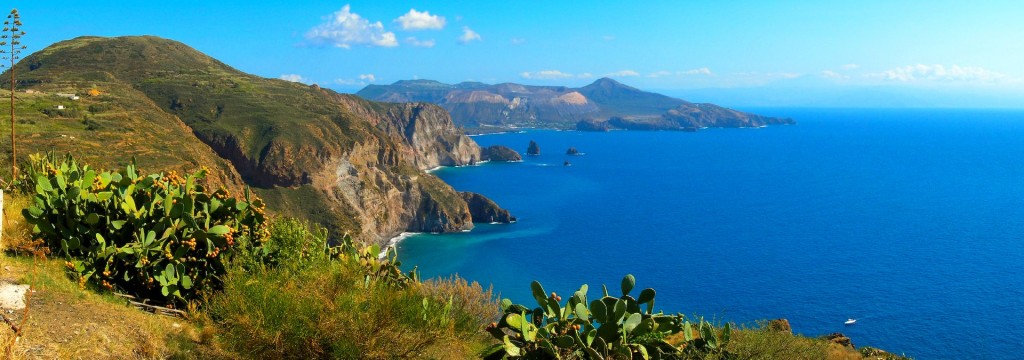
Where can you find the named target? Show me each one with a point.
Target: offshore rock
(499, 153)
(533, 149)
(484, 210)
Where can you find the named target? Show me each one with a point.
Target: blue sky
(941, 46)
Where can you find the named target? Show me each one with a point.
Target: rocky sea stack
(486, 211)
(533, 149)
(499, 153)
(572, 151)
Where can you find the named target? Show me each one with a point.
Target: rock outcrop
(592, 125)
(839, 339)
(486, 211)
(780, 325)
(533, 149)
(499, 153)
(572, 151)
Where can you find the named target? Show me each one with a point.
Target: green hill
(348, 163)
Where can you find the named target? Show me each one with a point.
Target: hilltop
(353, 165)
(604, 104)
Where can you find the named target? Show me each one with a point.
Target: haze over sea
(909, 220)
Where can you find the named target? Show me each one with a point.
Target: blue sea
(911, 221)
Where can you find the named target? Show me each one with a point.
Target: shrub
(61, 113)
(159, 236)
(90, 123)
(98, 108)
(290, 246)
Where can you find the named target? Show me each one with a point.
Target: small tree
(12, 36)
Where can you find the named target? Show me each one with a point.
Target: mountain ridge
(603, 104)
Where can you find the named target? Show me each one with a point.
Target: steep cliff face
(353, 165)
(427, 132)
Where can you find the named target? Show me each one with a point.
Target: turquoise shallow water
(909, 220)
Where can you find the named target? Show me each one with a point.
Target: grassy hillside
(173, 107)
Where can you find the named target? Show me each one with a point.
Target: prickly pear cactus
(159, 236)
(610, 327)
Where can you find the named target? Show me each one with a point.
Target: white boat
(850, 321)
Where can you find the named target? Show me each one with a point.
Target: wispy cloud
(420, 43)
(294, 78)
(698, 71)
(938, 72)
(829, 74)
(345, 28)
(607, 38)
(850, 66)
(415, 20)
(517, 41)
(361, 80)
(545, 75)
(622, 73)
(585, 75)
(658, 74)
(468, 35)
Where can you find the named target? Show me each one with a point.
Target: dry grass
(467, 297)
(66, 322)
(17, 233)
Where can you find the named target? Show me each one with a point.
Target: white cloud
(850, 66)
(517, 41)
(468, 35)
(585, 75)
(829, 74)
(545, 75)
(622, 73)
(938, 72)
(345, 28)
(608, 38)
(698, 71)
(367, 77)
(419, 43)
(415, 20)
(658, 74)
(294, 78)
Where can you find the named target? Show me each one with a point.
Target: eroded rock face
(499, 153)
(389, 200)
(484, 210)
(428, 132)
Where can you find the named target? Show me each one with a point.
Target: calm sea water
(911, 221)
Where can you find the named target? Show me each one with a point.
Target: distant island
(604, 105)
